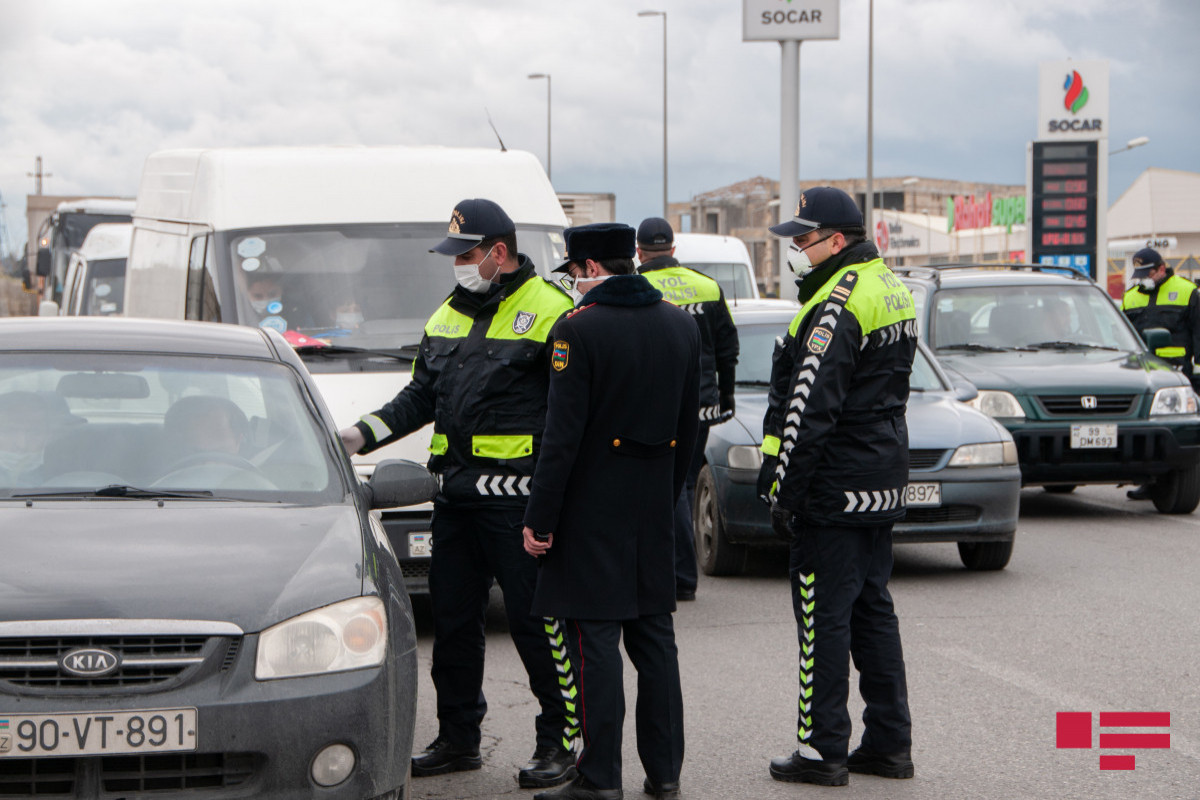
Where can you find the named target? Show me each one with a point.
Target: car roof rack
(934, 273)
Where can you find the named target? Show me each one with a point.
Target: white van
(725, 259)
(330, 246)
(95, 282)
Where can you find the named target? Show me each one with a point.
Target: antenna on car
(503, 149)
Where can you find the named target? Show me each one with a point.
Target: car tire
(1178, 492)
(1060, 488)
(985, 556)
(714, 552)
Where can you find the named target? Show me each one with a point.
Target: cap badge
(456, 220)
(803, 201)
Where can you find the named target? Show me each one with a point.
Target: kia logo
(89, 662)
(1088, 401)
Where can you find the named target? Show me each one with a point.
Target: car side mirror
(42, 263)
(1156, 338)
(964, 391)
(398, 483)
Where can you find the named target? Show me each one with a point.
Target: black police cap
(471, 222)
(655, 234)
(821, 207)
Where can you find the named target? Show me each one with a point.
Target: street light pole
(662, 14)
(547, 77)
(1132, 143)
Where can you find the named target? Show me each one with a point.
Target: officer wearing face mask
(1161, 299)
(835, 467)
(481, 378)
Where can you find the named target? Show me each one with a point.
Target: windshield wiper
(406, 353)
(752, 383)
(973, 347)
(1061, 345)
(118, 490)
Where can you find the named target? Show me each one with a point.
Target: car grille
(415, 569)
(927, 516)
(1050, 447)
(118, 775)
(30, 665)
(924, 459)
(1071, 405)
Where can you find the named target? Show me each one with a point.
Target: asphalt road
(1097, 611)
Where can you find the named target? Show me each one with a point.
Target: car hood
(249, 564)
(935, 420)
(1069, 372)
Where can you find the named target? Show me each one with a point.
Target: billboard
(1072, 100)
(783, 20)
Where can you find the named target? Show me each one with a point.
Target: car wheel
(1060, 488)
(1178, 492)
(716, 554)
(983, 556)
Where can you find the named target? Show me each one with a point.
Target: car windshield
(81, 423)
(1028, 317)
(367, 286)
(734, 279)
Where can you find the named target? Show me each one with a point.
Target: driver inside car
(205, 424)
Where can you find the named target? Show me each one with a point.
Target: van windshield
(370, 286)
(734, 279)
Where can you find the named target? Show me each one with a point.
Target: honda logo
(1088, 401)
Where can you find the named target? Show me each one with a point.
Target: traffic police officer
(835, 468)
(1161, 299)
(481, 378)
(623, 408)
(700, 296)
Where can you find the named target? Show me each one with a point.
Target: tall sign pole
(769, 21)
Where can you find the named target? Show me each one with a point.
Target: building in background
(1161, 209)
(584, 208)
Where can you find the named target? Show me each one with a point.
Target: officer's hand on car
(781, 522)
(536, 544)
(352, 439)
(766, 478)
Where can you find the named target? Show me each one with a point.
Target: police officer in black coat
(620, 425)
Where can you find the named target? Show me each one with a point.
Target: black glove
(766, 478)
(781, 523)
(727, 407)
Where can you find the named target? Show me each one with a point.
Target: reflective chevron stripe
(808, 647)
(885, 500)
(566, 679)
(710, 413)
(503, 485)
(891, 334)
(695, 309)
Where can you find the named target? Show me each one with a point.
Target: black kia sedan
(196, 598)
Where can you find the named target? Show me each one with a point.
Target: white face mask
(468, 275)
(577, 293)
(260, 306)
(798, 261)
(1147, 284)
(349, 319)
(16, 463)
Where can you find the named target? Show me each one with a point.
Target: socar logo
(1077, 93)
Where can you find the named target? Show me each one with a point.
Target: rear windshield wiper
(1060, 345)
(406, 353)
(118, 490)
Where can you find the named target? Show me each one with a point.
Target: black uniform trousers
(686, 575)
(843, 607)
(650, 643)
(470, 547)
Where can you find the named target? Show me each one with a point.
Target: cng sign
(788, 20)
(1072, 100)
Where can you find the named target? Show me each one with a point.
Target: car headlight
(989, 454)
(348, 635)
(742, 456)
(996, 403)
(1173, 400)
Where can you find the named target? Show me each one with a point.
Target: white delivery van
(725, 259)
(329, 246)
(95, 282)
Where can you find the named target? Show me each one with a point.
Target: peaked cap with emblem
(821, 207)
(1145, 261)
(471, 222)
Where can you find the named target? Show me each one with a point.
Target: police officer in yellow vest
(1161, 299)
(835, 468)
(700, 296)
(481, 378)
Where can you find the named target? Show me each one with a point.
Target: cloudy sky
(94, 87)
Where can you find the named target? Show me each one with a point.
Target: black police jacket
(621, 426)
(701, 296)
(1175, 305)
(481, 378)
(835, 439)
